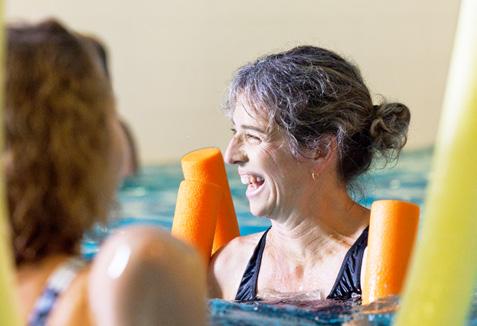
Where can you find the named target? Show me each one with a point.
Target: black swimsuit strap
(347, 283)
(247, 290)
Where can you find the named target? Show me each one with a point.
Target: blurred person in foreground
(63, 161)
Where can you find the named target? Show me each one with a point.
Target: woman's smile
(254, 182)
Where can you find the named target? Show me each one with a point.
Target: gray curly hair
(312, 93)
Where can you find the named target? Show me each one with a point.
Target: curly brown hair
(312, 93)
(58, 139)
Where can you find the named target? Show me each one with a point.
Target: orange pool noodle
(196, 214)
(207, 165)
(392, 233)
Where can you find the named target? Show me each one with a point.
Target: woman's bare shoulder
(240, 245)
(73, 307)
(228, 265)
(139, 267)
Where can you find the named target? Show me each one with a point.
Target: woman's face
(277, 182)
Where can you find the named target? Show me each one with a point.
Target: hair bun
(389, 126)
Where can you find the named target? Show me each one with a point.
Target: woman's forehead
(249, 118)
(246, 115)
(247, 109)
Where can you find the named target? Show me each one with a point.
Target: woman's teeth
(252, 180)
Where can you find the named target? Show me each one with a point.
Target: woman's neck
(328, 222)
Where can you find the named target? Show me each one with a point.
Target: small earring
(313, 175)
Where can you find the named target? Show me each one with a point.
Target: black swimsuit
(347, 283)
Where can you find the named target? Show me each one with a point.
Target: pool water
(150, 199)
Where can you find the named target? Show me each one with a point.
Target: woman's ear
(325, 150)
(324, 156)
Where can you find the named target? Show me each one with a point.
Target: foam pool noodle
(392, 233)
(443, 270)
(206, 166)
(195, 216)
(9, 310)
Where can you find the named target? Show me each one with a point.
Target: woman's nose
(234, 153)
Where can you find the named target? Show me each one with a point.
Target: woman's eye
(233, 130)
(253, 138)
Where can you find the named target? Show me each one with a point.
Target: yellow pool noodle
(9, 313)
(443, 271)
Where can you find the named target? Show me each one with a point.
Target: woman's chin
(258, 202)
(257, 211)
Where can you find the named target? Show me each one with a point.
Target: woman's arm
(143, 276)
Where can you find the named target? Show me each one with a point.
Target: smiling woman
(304, 128)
